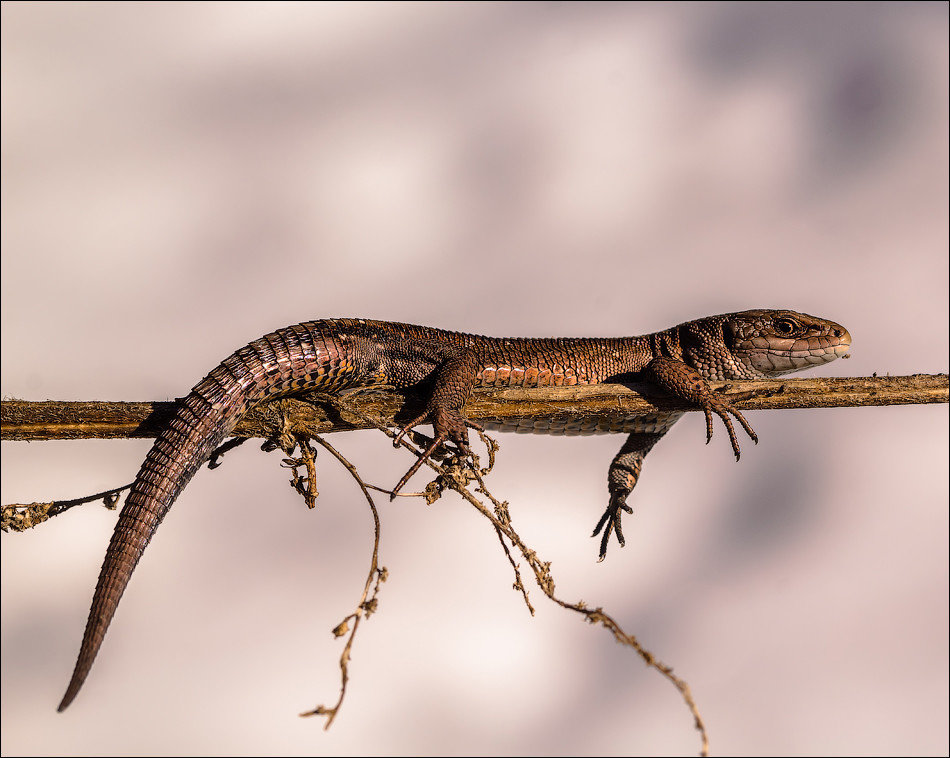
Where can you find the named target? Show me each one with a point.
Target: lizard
(335, 355)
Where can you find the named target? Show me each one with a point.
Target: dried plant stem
(457, 477)
(376, 575)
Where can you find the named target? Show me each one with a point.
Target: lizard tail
(289, 360)
(171, 463)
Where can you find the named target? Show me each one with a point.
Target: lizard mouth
(826, 347)
(821, 353)
(814, 351)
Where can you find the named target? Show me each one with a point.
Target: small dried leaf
(432, 492)
(19, 518)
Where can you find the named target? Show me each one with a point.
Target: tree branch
(54, 420)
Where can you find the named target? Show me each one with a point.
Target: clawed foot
(713, 403)
(686, 383)
(448, 428)
(610, 522)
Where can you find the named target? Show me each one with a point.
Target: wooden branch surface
(49, 420)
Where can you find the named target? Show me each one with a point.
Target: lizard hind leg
(453, 385)
(437, 440)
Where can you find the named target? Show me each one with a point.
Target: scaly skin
(335, 355)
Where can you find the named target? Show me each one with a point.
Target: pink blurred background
(178, 179)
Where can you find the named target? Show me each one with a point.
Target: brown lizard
(338, 354)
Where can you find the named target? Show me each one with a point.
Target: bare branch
(49, 420)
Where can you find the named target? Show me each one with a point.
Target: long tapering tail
(196, 430)
(305, 356)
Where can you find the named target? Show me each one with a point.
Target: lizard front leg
(621, 479)
(624, 472)
(687, 383)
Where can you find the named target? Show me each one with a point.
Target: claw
(745, 425)
(440, 438)
(610, 522)
(723, 409)
(415, 466)
(408, 427)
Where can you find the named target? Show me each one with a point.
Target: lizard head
(762, 343)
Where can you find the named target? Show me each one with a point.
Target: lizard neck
(639, 351)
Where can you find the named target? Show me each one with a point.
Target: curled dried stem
(368, 600)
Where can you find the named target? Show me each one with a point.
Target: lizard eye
(785, 326)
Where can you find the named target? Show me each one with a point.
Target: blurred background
(178, 179)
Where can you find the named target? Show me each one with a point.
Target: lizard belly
(653, 423)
